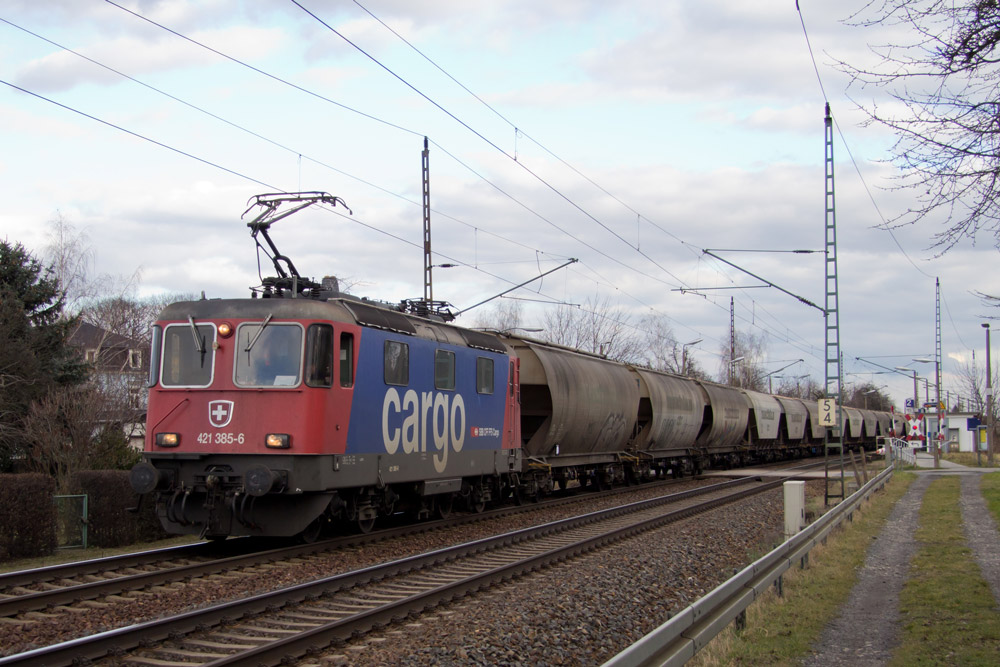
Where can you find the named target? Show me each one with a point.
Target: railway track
(291, 622)
(72, 583)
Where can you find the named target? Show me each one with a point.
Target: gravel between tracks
(585, 611)
(577, 613)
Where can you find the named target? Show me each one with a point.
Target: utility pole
(732, 338)
(989, 400)
(937, 373)
(428, 282)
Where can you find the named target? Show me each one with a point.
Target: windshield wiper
(259, 332)
(198, 342)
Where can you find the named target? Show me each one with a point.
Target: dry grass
(73, 555)
(781, 630)
(948, 611)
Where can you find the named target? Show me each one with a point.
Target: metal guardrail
(676, 641)
(900, 453)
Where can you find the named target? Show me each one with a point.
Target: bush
(109, 497)
(27, 516)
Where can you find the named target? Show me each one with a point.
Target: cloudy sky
(631, 135)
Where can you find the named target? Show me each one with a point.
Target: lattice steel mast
(833, 438)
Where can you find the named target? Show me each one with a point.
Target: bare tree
(663, 352)
(503, 315)
(71, 256)
(867, 396)
(596, 327)
(746, 361)
(800, 386)
(943, 79)
(62, 435)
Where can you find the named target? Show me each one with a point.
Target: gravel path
(981, 532)
(867, 630)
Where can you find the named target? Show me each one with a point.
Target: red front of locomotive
(234, 387)
(247, 397)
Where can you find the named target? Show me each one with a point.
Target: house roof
(88, 336)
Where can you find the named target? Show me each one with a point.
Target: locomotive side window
(268, 355)
(319, 356)
(397, 363)
(484, 375)
(188, 357)
(444, 370)
(346, 360)
(154, 355)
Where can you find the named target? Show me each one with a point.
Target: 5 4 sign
(828, 412)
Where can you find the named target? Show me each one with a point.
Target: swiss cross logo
(220, 413)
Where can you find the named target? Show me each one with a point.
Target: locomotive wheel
(312, 531)
(443, 506)
(477, 502)
(365, 525)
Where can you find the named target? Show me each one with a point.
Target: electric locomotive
(277, 415)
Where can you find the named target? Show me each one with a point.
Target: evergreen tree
(34, 356)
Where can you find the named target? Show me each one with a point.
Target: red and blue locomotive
(268, 414)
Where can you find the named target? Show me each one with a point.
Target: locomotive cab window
(484, 375)
(397, 363)
(268, 355)
(444, 370)
(319, 355)
(188, 355)
(346, 360)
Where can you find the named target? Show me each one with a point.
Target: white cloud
(135, 56)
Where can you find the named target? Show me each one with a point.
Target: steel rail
(676, 641)
(115, 642)
(40, 600)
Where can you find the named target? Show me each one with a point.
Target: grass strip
(990, 488)
(948, 612)
(969, 459)
(781, 630)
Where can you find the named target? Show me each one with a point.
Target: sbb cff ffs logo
(220, 413)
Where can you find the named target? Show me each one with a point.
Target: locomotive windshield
(268, 355)
(188, 355)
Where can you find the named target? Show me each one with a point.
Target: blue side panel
(417, 418)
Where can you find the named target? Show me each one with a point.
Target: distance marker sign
(827, 412)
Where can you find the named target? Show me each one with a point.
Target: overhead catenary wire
(380, 230)
(518, 131)
(690, 247)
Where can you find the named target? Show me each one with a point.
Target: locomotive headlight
(225, 329)
(277, 440)
(168, 439)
